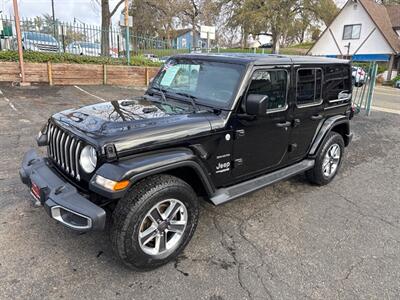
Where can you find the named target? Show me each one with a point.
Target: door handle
(316, 117)
(284, 125)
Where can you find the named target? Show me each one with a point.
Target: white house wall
(376, 43)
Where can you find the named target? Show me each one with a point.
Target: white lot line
(379, 92)
(86, 92)
(8, 101)
(388, 110)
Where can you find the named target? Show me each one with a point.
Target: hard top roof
(262, 59)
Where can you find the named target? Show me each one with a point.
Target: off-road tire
(316, 174)
(132, 209)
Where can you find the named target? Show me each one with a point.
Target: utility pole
(128, 54)
(19, 40)
(54, 18)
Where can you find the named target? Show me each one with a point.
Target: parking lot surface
(288, 241)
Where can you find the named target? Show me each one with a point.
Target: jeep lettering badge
(228, 124)
(223, 167)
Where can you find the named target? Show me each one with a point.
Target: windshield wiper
(191, 98)
(164, 98)
(158, 100)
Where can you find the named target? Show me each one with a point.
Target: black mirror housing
(256, 104)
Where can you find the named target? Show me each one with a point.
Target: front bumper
(60, 199)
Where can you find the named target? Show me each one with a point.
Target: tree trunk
(105, 27)
(245, 39)
(276, 36)
(194, 38)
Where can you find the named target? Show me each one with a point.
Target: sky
(85, 10)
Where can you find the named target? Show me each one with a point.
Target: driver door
(261, 142)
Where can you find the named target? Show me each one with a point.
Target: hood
(132, 123)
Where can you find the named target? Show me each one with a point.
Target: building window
(309, 86)
(352, 32)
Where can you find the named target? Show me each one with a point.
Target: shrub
(43, 57)
(397, 78)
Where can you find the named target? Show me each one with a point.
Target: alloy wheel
(331, 160)
(162, 228)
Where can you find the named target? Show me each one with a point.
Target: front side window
(352, 32)
(271, 83)
(211, 83)
(309, 86)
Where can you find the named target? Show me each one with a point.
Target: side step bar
(227, 194)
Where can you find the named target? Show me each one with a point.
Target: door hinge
(296, 122)
(240, 133)
(292, 147)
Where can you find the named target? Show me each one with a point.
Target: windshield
(34, 36)
(210, 83)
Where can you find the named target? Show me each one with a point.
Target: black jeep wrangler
(210, 126)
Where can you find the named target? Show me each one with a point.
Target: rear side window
(338, 81)
(271, 83)
(309, 86)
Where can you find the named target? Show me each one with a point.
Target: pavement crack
(351, 269)
(231, 249)
(359, 209)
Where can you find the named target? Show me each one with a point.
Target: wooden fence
(78, 74)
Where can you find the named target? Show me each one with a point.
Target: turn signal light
(111, 184)
(121, 185)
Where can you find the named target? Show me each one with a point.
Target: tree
(153, 18)
(190, 12)
(282, 19)
(106, 16)
(196, 13)
(325, 10)
(48, 24)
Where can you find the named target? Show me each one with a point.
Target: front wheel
(154, 222)
(328, 161)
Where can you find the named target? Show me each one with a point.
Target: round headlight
(88, 159)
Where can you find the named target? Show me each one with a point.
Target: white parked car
(38, 42)
(152, 57)
(87, 48)
(358, 76)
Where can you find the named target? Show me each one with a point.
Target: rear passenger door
(307, 110)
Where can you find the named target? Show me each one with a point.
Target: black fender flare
(141, 166)
(324, 128)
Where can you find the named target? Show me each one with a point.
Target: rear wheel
(328, 161)
(154, 222)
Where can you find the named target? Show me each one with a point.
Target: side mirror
(256, 104)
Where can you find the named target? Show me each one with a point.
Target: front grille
(64, 149)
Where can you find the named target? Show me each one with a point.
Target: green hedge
(397, 78)
(382, 67)
(41, 57)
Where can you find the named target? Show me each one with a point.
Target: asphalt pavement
(291, 240)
